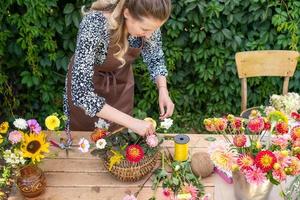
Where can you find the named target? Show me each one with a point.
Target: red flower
(295, 116)
(282, 128)
(256, 125)
(134, 153)
(98, 134)
(239, 140)
(267, 125)
(295, 132)
(237, 123)
(265, 160)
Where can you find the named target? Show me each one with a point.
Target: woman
(100, 82)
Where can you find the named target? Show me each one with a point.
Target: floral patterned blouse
(91, 48)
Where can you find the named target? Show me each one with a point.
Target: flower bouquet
(23, 145)
(264, 148)
(126, 155)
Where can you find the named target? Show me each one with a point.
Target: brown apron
(115, 84)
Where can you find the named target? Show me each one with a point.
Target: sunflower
(52, 122)
(34, 145)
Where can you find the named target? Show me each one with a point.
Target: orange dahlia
(245, 161)
(295, 133)
(134, 153)
(98, 134)
(265, 160)
(239, 140)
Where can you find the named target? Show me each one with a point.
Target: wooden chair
(280, 63)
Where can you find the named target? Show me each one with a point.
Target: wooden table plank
(97, 193)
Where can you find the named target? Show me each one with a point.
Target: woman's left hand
(166, 105)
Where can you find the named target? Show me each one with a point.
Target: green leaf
(69, 8)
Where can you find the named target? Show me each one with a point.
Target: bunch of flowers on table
(121, 145)
(265, 146)
(288, 104)
(23, 142)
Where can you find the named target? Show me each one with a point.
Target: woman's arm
(153, 56)
(138, 126)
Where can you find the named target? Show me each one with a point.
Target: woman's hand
(141, 127)
(166, 105)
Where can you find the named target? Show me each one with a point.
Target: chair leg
(244, 93)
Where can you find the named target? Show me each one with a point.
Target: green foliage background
(38, 37)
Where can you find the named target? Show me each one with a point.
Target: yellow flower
(34, 145)
(4, 127)
(52, 122)
(115, 159)
(277, 116)
(1, 139)
(152, 121)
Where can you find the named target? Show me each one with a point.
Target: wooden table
(82, 176)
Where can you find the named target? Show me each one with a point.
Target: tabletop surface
(83, 176)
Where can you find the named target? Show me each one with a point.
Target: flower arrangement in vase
(260, 151)
(23, 145)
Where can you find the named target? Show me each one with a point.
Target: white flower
(167, 123)
(14, 158)
(101, 124)
(20, 123)
(84, 145)
(101, 143)
(286, 103)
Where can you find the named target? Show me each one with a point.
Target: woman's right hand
(141, 127)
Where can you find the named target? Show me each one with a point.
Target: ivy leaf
(68, 8)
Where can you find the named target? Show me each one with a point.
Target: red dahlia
(282, 128)
(265, 160)
(134, 153)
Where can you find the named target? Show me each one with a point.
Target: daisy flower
(101, 143)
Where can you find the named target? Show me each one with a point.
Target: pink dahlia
(255, 176)
(15, 137)
(152, 140)
(279, 175)
(256, 125)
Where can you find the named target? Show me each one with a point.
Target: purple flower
(15, 137)
(34, 126)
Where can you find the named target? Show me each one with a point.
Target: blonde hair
(158, 9)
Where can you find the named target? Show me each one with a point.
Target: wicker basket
(130, 172)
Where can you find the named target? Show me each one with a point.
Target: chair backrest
(265, 63)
